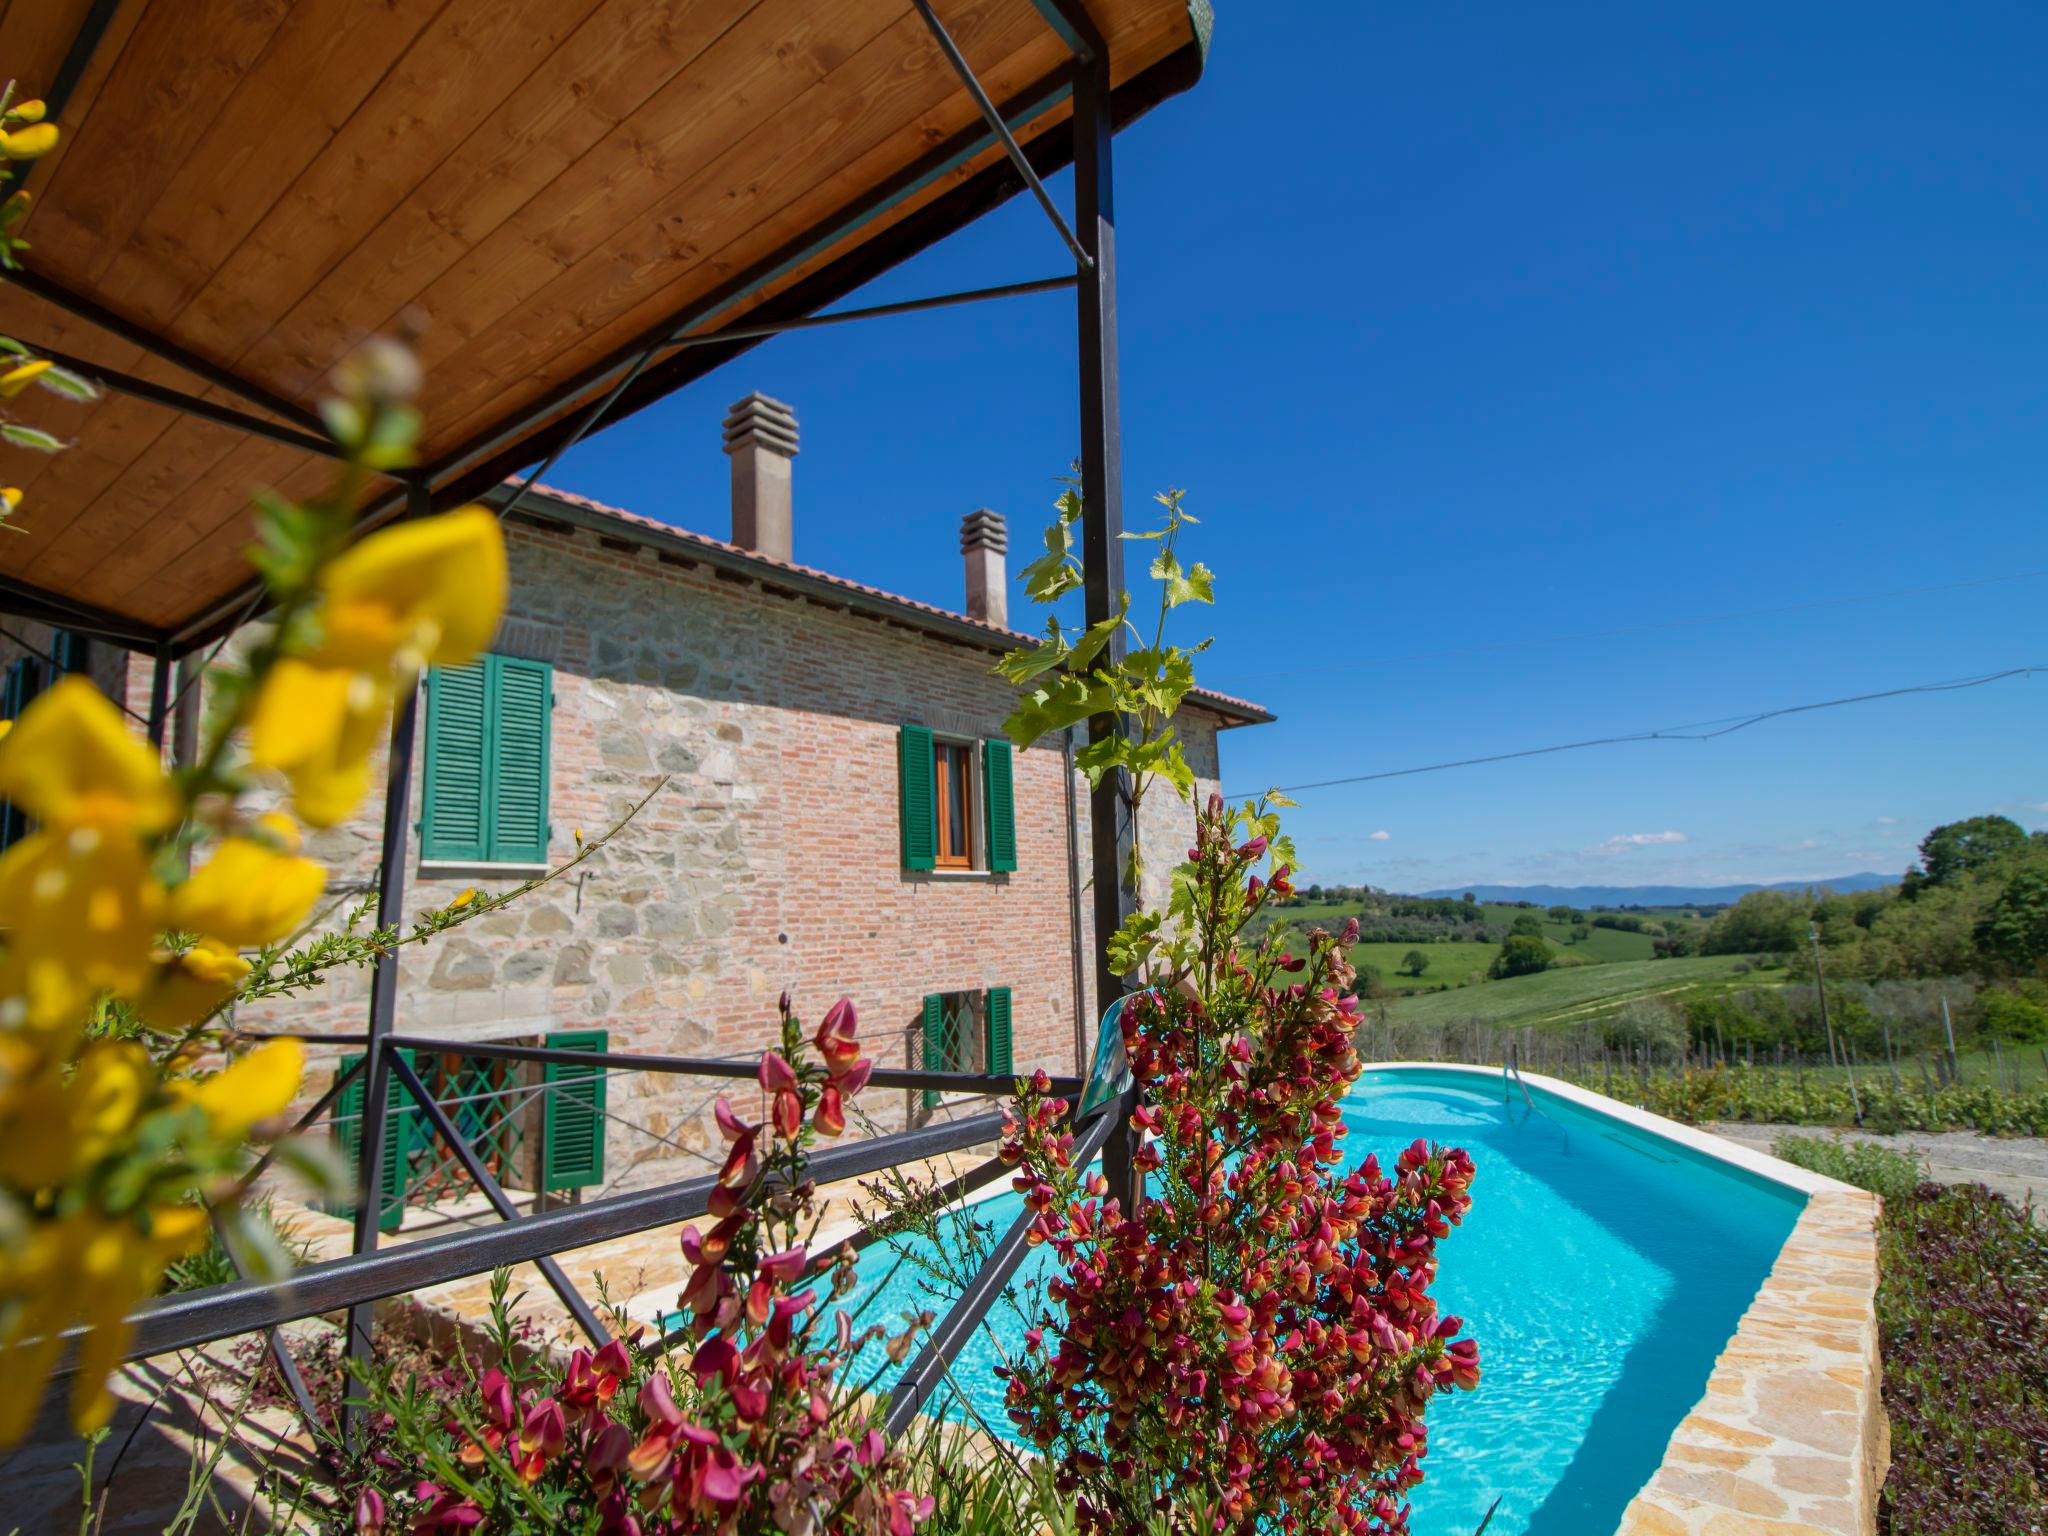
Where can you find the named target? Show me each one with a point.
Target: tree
(1470, 899)
(1581, 932)
(1414, 963)
(1563, 914)
(1521, 954)
(2014, 932)
(1962, 847)
(1527, 923)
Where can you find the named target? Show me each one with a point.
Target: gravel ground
(2013, 1166)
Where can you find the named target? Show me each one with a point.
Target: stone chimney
(984, 540)
(760, 437)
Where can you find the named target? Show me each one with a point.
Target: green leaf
(61, 381)
(1063, 701)
(1194, 585)
(23, 436)
(9, 344)
(1021, 666)
(1098, 636)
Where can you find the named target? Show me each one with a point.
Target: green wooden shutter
(572, 1122)
(456, 787)
(521, 692)
(919, 793)
(347, 1131)
(999, 806)
(996, 1022)
(935, 1057)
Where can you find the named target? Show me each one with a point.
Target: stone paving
(1791, 1437)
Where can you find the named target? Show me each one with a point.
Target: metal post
(383, 1007)
(1074, 904)
(160, 694)
(1112, 837)
(1820, 987)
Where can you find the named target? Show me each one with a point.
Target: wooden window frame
(968, 754)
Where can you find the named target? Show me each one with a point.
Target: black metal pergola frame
(683, 347)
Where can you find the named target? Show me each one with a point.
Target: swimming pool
(1602, 1269)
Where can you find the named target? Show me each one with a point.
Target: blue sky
(1538, 375)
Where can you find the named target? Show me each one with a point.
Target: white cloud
(1621, 842)
(1382, 835)
(1887, 821)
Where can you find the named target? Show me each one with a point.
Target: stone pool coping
(1790, 1438)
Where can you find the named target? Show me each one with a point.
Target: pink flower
(370, 1513)
(834, 1038)
(829, 1118)
(779, 1078)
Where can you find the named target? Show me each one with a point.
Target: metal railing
(372, 1274)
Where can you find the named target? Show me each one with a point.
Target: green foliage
(1963, 1289)
(1521, 954)
(1893, 1175)
(1569, 993)
(2018, 1015)
(1527, 924)
(2013, 933)
(1769, 1097)
(1069, 679)
(1959, 848)
(1414, 963)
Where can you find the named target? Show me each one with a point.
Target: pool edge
(1790, 1438)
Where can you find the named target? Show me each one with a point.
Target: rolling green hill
(1576, 993)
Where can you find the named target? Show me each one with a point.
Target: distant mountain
(1653, 895)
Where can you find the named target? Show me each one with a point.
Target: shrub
(755, 1430)
(1521, 954)
(1962, 1310)
(1253, 1347)
(1894, 1175)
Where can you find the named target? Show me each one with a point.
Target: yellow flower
(420, 592)
(249, 893)
(10, 498)
(191, 986)
(252, 1088)
(24, 373)
(82, 910)
(29, 141)
(28, 111)
(69, 762)
(317, 726)
(91, 1269)
(469, 894)
(57, 1127)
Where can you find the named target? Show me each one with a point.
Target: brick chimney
(760, 437)
(983, 540)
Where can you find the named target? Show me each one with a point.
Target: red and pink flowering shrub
(744, 1428)
(1255, 1346)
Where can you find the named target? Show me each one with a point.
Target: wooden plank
(35, 39)
(52, 55)
(621, 55)
(1006, 78)
(876, 88)
(738, 90)
(209, 561)
(283, 112)
(211, 516)
(463, 66)
(169, 83)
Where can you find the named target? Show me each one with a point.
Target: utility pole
(1820, 986)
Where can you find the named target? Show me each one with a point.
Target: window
(950, 767)
(485, 799)
(965, 1032)
(957, 808)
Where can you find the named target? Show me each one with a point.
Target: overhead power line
(1697, 730)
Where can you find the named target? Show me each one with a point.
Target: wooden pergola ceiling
(254, 186)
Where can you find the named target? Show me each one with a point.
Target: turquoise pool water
(1602, 1269)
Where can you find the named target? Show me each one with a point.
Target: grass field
(1452, 963)
(1457, 962)
(1569, 994)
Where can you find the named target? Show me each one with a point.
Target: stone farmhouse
(839, 813)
